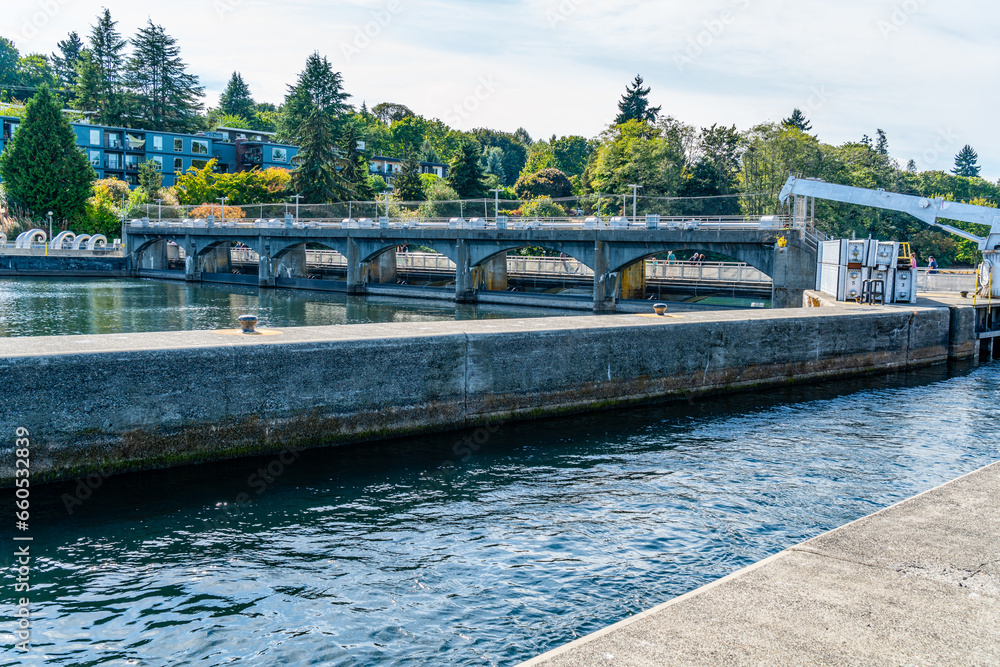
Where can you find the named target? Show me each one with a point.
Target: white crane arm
(923, 208)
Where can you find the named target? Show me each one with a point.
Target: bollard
(660, 308)
(247, 323)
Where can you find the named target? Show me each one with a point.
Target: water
(63, 306)
(423, 551)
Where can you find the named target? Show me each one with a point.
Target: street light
(385, 194)
(297, 198)
(635, 189)
(496, 202)
(222, 204)
(159, 210)
(50, 232)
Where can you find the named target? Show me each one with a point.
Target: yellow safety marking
(239, 332)
(654, 315)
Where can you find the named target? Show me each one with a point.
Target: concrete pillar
(217, 260)
(292, 263)
(494, 273)
(154, 257)
(794, 272)
(265, 270)
(465, 287)
(633, 280)
(192, 271)
(382, 268)
(356, 270)
(605, 283)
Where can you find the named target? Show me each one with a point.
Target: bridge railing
(550, 267)
(717, 223)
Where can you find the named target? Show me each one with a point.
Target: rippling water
(63, 306)
(432, 551)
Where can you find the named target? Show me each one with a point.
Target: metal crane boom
(923, 208)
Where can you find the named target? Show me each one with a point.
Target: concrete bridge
(614, 250)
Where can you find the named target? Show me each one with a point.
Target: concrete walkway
(915, 584)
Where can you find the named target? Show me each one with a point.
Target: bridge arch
(758, 256)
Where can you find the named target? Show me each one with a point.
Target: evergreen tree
(150, 177)
(965, 162)
(64, 63)
(42, 168)
(407, 184)
(236, 100)
(318, 89)
(107, 48)
(522, 136)
(797, 120)
(354, 165)
(89, 83)
(427, 152)
(634, 104)
(315, 175)
(493, 162)
(166, 96)
(465, 176)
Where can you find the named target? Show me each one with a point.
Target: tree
(236, 99)
(9, 78)
(493, 162)
(315, 176)
(388, 112)
(465, 174)
(965, 162)
(546, 183)
(637, 153)
(521, 136)
(318, 90)
(150, 177)
(89, 83)
(407, 185)
(571, 154)
(107, 48)
(634, 104)
(797, 120)
(34, 71)
(42, 168)
(166, 96)
(354, 165)
(64, 62)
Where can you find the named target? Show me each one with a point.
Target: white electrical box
(853, 281)
(905, 287)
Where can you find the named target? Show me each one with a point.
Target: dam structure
(613, 250)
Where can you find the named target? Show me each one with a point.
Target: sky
(925, 71)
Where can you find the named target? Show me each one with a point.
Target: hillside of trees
(142, 81)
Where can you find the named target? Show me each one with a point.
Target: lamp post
(222, 204)
(385, 194)
(159, 210)
(297, 198)
(50, 232)
(635, 189)
(496, 202)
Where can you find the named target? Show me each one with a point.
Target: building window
(199, 164)
(158, 159)
(132, 162)
(111, 161)
(158, 144)
(135, 142)
(114, 140)
(178, 145)
(279, 154)
(95, 137)
(178, 163)
(95, 159)
(199, 147)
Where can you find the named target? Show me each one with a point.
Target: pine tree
(634, 104)
(354, 165)
(797, 120)
(166, 96)
(64, 62)
(89, 83)
(315, 175)
(236, 100)
(407, 185)
(965, 162)
(318, 88)
(493, 162)
(42, 168)
(107, 48)
(465, 176)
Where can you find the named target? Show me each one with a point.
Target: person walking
(931, 264)
(670, 257)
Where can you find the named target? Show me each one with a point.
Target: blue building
(117, 152)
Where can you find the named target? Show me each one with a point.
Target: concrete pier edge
(584, 652)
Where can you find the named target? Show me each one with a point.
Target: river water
(63, 306)
(486, 551)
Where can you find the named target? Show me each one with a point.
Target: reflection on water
(480, 548)
(63, 306)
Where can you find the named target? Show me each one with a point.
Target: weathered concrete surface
(915, 584)
(131, 401)
(62, 265)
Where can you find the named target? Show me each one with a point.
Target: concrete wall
(137, 401)
(68, 266)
